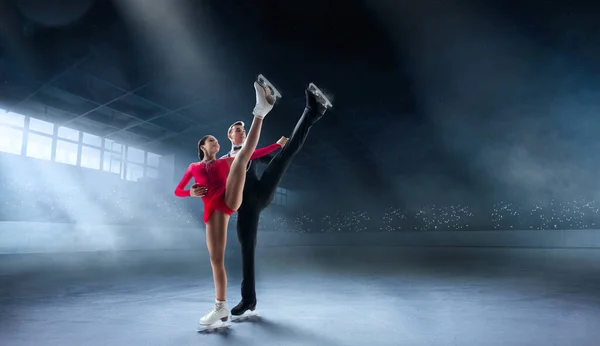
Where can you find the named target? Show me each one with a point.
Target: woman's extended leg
(237, 174)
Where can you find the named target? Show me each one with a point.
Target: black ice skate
(243, 309)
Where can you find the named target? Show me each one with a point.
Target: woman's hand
(282, 141)
(198, 191)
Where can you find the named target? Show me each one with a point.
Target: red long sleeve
(258, 153)
(193, 172)
(180, 190)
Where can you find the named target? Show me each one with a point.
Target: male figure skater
(259, 192)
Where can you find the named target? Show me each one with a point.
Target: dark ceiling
(420, 87)
(101, 74)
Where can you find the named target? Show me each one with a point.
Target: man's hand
(198, 191)
(282, 141)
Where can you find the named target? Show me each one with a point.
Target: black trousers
(259, 193)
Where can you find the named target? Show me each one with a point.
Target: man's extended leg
(273, 174)
(258, 195)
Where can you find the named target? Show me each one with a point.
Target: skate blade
(315, 90)
(262, 80)
(246, 316)
(213, 327)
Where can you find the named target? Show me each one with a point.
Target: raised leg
(274, 172)
(234, 187)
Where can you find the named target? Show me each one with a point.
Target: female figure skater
(224, 181)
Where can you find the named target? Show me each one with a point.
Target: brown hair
(237, 123)
(201, 142)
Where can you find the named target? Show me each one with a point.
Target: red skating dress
(214, 177)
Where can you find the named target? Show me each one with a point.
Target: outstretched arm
(258, 153)
(180, 190)
(262, 153)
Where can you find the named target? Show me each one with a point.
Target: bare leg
(236, 179)
(216, 239)
(234, 187)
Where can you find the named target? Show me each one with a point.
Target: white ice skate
(216, 318)
(262, 80)
(264, 102)
(320, 95)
